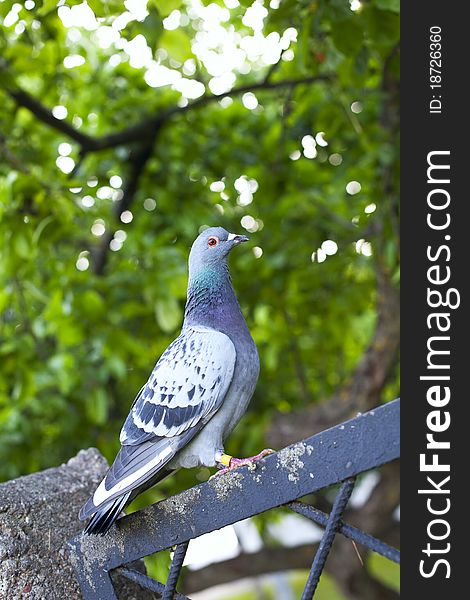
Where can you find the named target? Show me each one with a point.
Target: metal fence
(334, 456)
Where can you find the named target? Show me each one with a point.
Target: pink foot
(240, 462)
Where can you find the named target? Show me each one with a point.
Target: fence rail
(334, 456)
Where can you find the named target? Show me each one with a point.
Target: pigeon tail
(108, 513)
(105, 516)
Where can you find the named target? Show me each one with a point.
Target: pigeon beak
(237, 239)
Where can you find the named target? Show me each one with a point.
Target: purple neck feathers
(212, 302)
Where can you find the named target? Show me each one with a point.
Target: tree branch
(145, 129)
(267, 560)
(139, 161)
(237, 91)
(25, 100)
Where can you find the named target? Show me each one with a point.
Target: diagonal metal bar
(175, 570)
(326, 542)
(353, 533)
(146, 582)
(325, 459)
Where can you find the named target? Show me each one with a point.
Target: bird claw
(263, 453)
(220, 472)
(249, 462)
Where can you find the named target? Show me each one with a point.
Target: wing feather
(187, 385)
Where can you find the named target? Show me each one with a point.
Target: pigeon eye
(213, 241)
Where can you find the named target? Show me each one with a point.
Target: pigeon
(196, 394)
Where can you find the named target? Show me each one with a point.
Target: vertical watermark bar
(434, 199)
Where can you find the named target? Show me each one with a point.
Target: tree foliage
(77, 344)
(106, 176)
(128, 126)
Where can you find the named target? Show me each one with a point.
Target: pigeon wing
(186, 386)
(185, 389)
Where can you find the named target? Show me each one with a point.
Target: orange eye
(213, 241)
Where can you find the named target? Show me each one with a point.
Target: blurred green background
(125, 128)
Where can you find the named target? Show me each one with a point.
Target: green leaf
(117, 366)
(106, 7)
(45, 6)
(362, 61)
(303, 46)
(4, 300)
(6, 78)
(347, 35)
(382, 26)
(177, 44)
(97, 406)
(165, 7)
(40, 228)
(338, 9)
(92, 304)
(151, 29)
(168, 314)
(393, 5)
(21, 246)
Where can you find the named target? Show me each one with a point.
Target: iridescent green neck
(209, 277)
(211, 300)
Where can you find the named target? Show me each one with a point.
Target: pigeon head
(212, 247)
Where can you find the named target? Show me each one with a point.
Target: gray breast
(245, 378)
